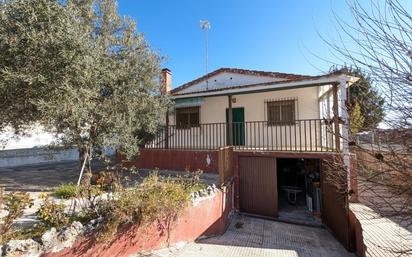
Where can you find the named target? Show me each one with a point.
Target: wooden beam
(336, 116)
(230, 116)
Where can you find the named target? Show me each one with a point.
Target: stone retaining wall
(17, 157)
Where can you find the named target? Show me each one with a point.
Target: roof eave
(236, 71)
(271, 87)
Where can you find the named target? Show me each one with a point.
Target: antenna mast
(205, 26)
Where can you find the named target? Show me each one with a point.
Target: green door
(238, 129)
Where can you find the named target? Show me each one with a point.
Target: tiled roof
(286, 76)
(296, 79)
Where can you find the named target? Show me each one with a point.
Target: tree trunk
(85, 158)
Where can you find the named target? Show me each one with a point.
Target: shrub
(155, 199)
(105, 179)
(66, 191)
(34, 232)
(52, 214)
(191, 181)
(14, 203)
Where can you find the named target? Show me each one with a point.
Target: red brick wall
(208, 217)
(172, 159)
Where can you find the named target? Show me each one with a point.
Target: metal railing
(309, 135)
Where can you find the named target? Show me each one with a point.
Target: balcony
(309, 135)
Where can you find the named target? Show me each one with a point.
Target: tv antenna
(205, 26)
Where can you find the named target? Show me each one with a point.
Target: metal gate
(258, 186)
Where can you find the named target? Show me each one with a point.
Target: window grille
(281, 111)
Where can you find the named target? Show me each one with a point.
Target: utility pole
(205, 26)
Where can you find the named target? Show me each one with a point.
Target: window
(281, 112)
(187, 117)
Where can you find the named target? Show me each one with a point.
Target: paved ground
(38, 177)
(396, 207)
(382, 236)
(259, 237)
(386, 220)
(43, 177)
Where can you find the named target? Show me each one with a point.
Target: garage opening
(299, 192)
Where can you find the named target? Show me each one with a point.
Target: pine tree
(364, 94)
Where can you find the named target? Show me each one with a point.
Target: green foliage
(52, 214)
(162, 198)
(370, 101)
(365, 94)
(79, 70)
(155, 199)
(15, 203)
(83, 217)
(356, 119)
(66, 191)
(33, 232)
(106, 180)
(34, 57)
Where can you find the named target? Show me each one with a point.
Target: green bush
(105, 179)
(162, 198)
(66, 191)
(155, 199)
(14, 203)
(191, 181)
(52, 214)
(34, 232)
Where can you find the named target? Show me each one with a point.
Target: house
(268, 111)
(271, 132)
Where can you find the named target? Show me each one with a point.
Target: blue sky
(271, 35)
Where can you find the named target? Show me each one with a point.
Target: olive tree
(81, 71)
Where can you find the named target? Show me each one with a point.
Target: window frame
(281, 104)
(179, 125)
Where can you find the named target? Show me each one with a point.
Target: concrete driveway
(249, 236)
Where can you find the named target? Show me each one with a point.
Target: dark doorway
(238, 128)
(299, 190)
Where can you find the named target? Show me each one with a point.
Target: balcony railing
(310, 135)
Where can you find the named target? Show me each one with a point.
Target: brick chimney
(166, 81)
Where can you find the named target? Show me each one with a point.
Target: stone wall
(17, 157)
